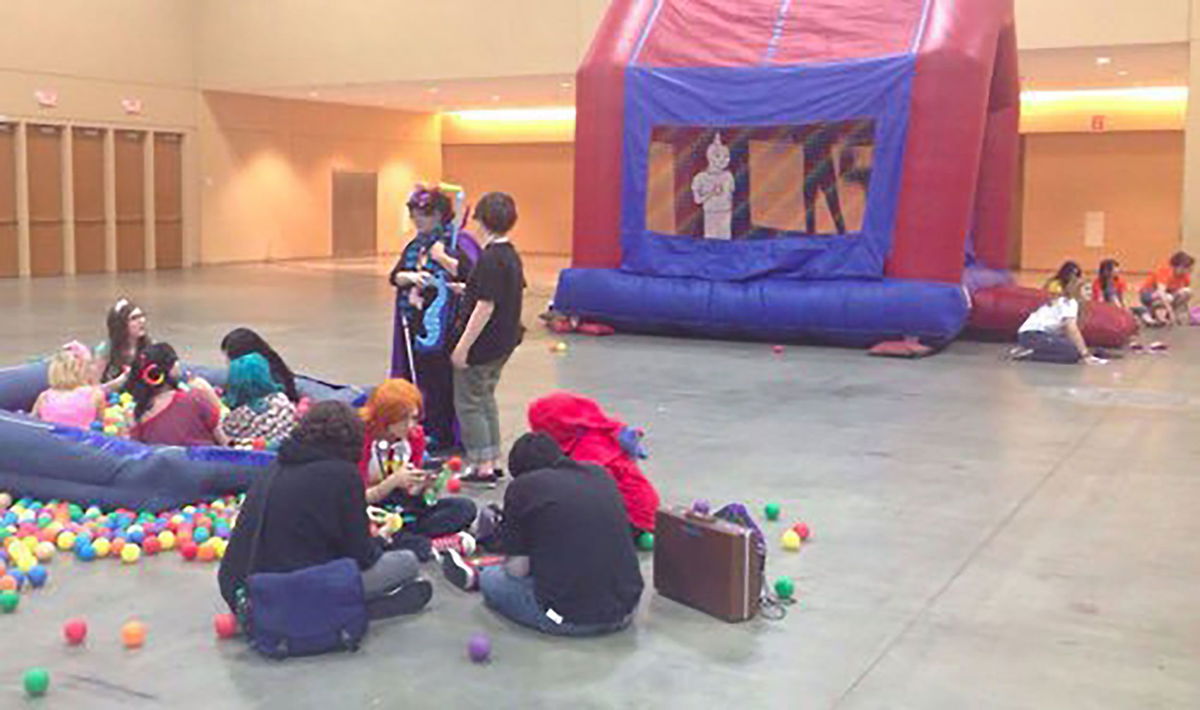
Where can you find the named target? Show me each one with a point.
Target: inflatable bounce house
(838, 171)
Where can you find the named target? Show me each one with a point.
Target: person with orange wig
(392, 459)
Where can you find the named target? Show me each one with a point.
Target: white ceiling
(1076, 68)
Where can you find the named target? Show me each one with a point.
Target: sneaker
(458, 572)
(487, 523)
(461, 542)
(476, 478)
(1019, 353)
(408, 598)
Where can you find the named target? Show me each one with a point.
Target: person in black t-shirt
(489, 334)
(571, 567)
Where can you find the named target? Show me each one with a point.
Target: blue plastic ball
(136, 535)
(19, 577)
(86, 553)
(200, 535)
(97, 426)
(37, 576)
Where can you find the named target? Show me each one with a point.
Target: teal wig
(250, 382)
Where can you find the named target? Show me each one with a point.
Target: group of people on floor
(1052, 333)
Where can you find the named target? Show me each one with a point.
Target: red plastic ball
(188, 550)
(260, 444)
(151, 546)
(455, 464)
(75, 631)
(802, 530)
(225, 625)
(453, 485)
(777, 349)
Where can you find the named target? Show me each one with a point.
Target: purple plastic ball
(701, 507)
(479, 648)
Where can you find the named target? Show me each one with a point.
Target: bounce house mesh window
(761, 182)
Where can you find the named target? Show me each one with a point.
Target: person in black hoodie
(315, 513)
(571, 567)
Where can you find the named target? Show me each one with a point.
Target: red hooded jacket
(587, 435)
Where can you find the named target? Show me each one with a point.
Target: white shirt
(386, 457)
(1051, 317)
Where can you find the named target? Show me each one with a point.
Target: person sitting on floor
(1051, 333)
(315, 513)
(167, 410)
(73, 398)
(127, 335)
(571, 568)
(243, 341)
(390, 465)
(1109, 287)
(587, 434)
(1167, 291)
(258, 407)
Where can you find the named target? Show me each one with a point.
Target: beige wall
(1134, 178)
(266, 166)
(1083, 23)
(538, 176)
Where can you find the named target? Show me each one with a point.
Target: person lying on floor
(571, 569)
(315, 513)
(392, 455)
(1051, 333)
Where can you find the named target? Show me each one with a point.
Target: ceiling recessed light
(566, 85)
(1123, 72)
(313, 94)
(1103, 61)
(495, 97)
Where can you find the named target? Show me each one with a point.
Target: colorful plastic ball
(151, 545)
(8, 583)
(802, 530)
(219, 546)
(701, 507)
(791, 541)
(110, 430)
(453, 485)
(558, 347)
(19, 577)
(66, 540)
(6, 500)
(37, 576)
(645, 541)
(772, 510)
(9, 600)
(189, 550)
(133, 634)
(125, 398)
(102, 547)
(130, 553)
(135, 534)
(785, 588)
(44, 551)
(206, 552)
(117, 545)
(225, 625)
(36, 682)
(166, 539)
(479, 648)
(777, 349)
(75, 631)
(201, 535)
(86, 552)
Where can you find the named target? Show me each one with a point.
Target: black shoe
(408, 598)
(457, 571)
(475, 478)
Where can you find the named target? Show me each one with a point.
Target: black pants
(422, 522)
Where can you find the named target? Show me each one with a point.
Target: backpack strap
(262, 517)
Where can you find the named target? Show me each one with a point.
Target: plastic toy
(86, 552)
(777, 349)
(772, 511)
(226, 626)
(36, 682)
(802, 530)
(453, 485)
(645, 541)
(75, 631)
(558, 347)
(133, 634)
(791, 541)
(9, 600)
(7, 583)
(785, 588)
(130, 553)
(37, 576)
(479, 648)
(44, 551)
(66, 540)
(206, 552)
(188, 550)
(701, 507)
(102, 547)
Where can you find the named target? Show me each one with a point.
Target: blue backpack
(305, 612)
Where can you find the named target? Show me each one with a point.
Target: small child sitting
(390, 465)
(586, 434)
(73, 398)
(259, 407)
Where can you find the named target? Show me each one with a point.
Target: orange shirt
(1118, 284)
(1165, 276)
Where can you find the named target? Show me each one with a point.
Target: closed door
(9, 262)
(44, 155)
(354, 222)
(168, 200)
(131, 206)
(88, 167)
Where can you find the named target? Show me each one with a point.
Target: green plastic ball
(785, 588)
(37, 682)
(645, 541)
(9, 601)
(772, 511)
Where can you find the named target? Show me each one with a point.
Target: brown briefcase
(708, 564)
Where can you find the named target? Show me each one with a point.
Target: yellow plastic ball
(5, 500)
(102, 547)
(791, 541)
(166, 538)
(125, 398)
(30, 542)
(130, 553)
(44, 551)
(66, 540)
(219, 545)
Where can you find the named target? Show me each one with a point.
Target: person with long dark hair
(243, 341)
(168, 411)
(1109, 287)
(428, 278)
(1052, 333)
(127, 335)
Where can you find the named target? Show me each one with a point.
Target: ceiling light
(1150, 93)
(559, 113)
(1103, 61)
(1123, 72)
(313, 94)
(566, 85)
(495, 97)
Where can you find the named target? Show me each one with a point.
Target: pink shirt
(189, 420)
(75, 407)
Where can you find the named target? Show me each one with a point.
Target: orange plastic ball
(133, 634)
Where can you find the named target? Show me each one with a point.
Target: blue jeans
(514, 599)
(1049, 347)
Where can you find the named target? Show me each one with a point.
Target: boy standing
(492, 330)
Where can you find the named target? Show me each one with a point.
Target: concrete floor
(987, 534)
